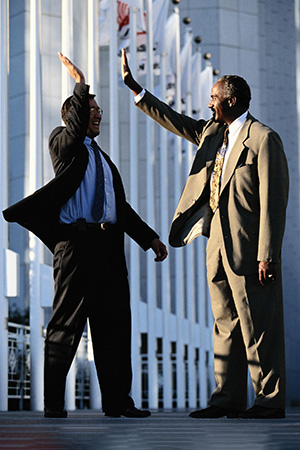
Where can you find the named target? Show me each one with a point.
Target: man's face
(95, 119)
(218, 103)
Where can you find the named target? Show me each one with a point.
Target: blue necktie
(97, 208)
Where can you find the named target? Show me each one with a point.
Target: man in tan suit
(239, 201)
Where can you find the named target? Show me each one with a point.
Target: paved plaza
(90, 430)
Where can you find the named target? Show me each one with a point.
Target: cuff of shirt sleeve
(139, 97)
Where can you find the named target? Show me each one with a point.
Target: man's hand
(74, 71)
(266, 272)
(159, 249)
(127, 76)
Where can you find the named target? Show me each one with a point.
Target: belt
(82, 225)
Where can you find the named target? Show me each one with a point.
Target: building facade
(172, 323)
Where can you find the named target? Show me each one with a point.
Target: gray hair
(235, 86)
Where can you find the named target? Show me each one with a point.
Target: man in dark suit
(236, 194)
(85, 231)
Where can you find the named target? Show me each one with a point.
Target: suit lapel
(235, 153)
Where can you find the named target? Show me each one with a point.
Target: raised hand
(73, 70)
(127, 75)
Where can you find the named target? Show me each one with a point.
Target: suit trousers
(248, 331)
(90, 282)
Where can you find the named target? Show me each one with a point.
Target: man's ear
(232, 101)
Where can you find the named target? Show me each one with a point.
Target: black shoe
(261, 412)
(131, 412)
(214, 412)
(51, 413)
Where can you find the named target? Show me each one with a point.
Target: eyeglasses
(93, 111)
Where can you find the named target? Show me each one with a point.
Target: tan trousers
(248, 331)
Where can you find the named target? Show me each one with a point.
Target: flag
(169, 43)
(104, 22)
(196, 83)
(123, 20)
(206, 84)
(186, 67)
(141, 27)
(160, 11)
(169, 48)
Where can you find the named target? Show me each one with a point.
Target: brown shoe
(214, 412)
(261, 412)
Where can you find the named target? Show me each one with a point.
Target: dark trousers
(90, 282)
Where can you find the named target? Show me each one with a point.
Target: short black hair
(67, 104)
(236, 86)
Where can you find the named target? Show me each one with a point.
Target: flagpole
(151, 273)
(35, 181)
(4, 198)
(134, 251)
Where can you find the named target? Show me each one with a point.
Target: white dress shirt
(79, 206)
(234, 129)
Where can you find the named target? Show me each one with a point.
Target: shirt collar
(87, 141)
(235, 126)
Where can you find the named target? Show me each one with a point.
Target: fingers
(124, 63)
(161, 255)
(159, 249)
(266, 272)
(64, 59)
(74, 71)
(124, 57)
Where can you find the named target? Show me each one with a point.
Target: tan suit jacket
(254, 189)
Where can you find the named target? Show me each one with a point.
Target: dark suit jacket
(40, 211)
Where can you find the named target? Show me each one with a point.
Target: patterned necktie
(216, 177)
(97, 208)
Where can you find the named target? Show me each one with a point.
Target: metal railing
(19, 368)
(18, 363)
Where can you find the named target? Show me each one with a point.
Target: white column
(189, 255)
(67, 48)
(203, 297)
(93, 81)
(179, 269)
(3, 199)
(151, 270)
(113, 84)
(35, 181)
(67, 45)
(95, 395)
(134, 250)
(93, 47)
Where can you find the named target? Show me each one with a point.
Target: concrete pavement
(90, 430)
